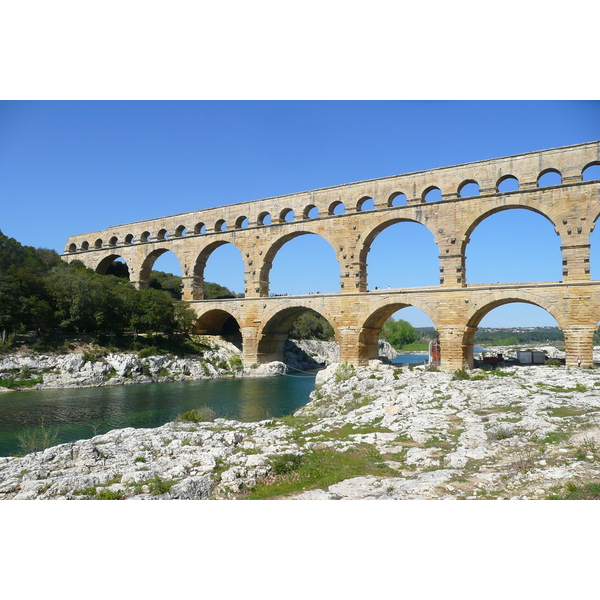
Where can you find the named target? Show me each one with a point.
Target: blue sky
(70, 167)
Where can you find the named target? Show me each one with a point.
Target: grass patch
(13, 383)
(566, 411)
(436, 442)
(588, 491)
(514, 408)
(579, 387)
(235, 363)
(499, 373)
(318, 469)
(158, 485)
(415, 347)
(358, 400)
(555, 437)
(109, 495)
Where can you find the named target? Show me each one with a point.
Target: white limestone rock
(192, 488)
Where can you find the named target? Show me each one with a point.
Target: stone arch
(397, 199)
(370, 329)
(221, 225)
(129, 239)
(148, 264)
(540, 209)
(594, 251)
(506, 180)
(264, 218)
(98, 243)
(276, 325)
(500, 298)
(370, 236)
(197, 291)
(108, 260)
(336, 205)
(311, 208)
(85, 246)
(222, 323)
(162, 234)
(199, 228)
(432, 189)
(468, 186)
(270, 254)
(72, 248)
(145, 236)
(286, 215)
(180, 231)
(547, 172)
(594, 163)
(537, 209)
(113, 241)
(241, 222)
(367, 201)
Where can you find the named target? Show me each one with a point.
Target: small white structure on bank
(529, 357)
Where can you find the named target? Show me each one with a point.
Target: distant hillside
(508, 336)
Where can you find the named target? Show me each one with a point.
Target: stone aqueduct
(356, 314)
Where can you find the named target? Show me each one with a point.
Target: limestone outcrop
(80, 369)
(516, 433)
(310, 354)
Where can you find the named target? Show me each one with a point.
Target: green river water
(82, 413)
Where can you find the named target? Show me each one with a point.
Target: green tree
(310, 325)
(399, 333)
(159, 280)
(153, 312)
(213, 291)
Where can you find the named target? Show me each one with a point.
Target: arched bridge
(260, 228)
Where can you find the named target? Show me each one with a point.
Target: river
(81, 413)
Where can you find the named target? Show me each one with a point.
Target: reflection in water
(83, 413)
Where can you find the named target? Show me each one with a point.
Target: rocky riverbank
(377, 432)
(96, 368)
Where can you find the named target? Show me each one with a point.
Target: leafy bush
(503, 432)
(37, 438)
(158, 486)
(151, 351)
(344, 372)
(235, 362)
(198, 415)
(286, 463)
(460, 375)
